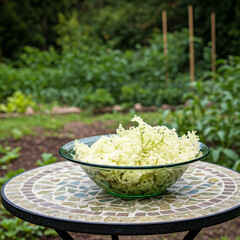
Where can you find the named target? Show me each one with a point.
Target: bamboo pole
(191, 43)
(165, 49)
(213, 40)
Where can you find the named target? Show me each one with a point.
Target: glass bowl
(131, 181)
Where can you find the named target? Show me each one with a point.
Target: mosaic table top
(63, 191)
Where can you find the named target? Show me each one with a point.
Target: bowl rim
(90, 140)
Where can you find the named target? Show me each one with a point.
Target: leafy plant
(13, 228)
(17, 103)
(16, 133)
(47, 158)
(213, 109)
(9, 154)
(87, 73)
(99, 98)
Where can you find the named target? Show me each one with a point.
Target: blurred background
(72, 69)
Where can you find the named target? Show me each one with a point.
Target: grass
(16, 127)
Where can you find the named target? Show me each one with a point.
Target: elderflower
(143, 145)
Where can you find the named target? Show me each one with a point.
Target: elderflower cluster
(143, 145)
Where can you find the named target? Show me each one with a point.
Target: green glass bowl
(131, 181)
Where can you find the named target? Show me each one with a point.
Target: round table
(62, 197)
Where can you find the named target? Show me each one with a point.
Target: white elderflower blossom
(140, 146)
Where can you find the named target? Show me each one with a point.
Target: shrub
(17, 103)
(83, 70)
(214, 111)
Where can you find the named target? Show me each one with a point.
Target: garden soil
(45, 141)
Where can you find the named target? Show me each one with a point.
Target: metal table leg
(64, 235)
(114, 237)
(192, 234)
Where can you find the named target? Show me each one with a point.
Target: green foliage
(29, 23)
(227, 238)
(16, 229)
(236, 166)
(12, 228)
(94, 76)
(8, 154)
(17, 103)
(132, 23)
(16, 133)
(99, 98)
(72, 34)
(227, 35)
(213, 109)
(47, 158)
(220, 112)
(35, 58)
(121, 30)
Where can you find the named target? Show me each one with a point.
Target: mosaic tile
(115, 209)
(83, 206)
(62, 198)
(147, 209)
(80, 195)
(116, 202)
(64, 191)
(213, 180)
(193, 191)
(165, 207)
(185, 188)
(44, 192)
(70, 204)
(177, 205)
(131, 209)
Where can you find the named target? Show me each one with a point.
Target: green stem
(114, 144)
(146, 149)
(147, 143)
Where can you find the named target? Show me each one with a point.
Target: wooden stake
(165, 50)
(191, 43)
(213, 39)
